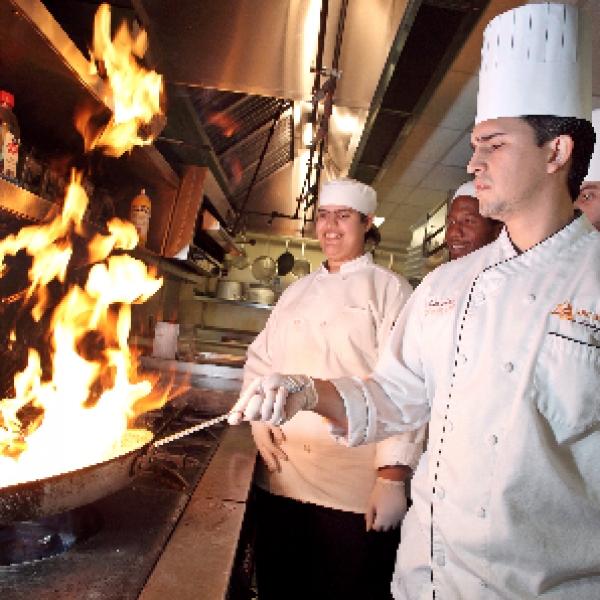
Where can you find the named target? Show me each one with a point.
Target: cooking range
(117, 539)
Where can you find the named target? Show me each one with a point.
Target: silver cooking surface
(137, 522)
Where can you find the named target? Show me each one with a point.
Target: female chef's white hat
(351, 193)
(536, 60)
(594, 171)
(466, 189)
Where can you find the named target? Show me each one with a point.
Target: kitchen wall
(219, 327)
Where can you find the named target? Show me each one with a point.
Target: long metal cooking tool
(180, 434)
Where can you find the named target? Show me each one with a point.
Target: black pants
(309, 552)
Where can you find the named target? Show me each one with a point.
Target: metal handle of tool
(144, 461)
(180, 434)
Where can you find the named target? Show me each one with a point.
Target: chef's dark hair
(547, 128)
(373, 235)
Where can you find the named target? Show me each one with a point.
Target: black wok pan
(43, 497)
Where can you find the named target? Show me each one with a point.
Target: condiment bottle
(139, 215)
(10, 135)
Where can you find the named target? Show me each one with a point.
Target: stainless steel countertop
(197, 561)
(196, 375)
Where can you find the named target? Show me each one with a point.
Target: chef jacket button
(482, 583)
(440, 560)
(481, 513)
(441, 493)
(492, 439)
(297, 321)
(306, 447)
(508, 367)
(530, 298)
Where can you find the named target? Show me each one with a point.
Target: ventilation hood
(230, 66)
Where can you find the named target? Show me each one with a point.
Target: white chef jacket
(330, 325)
(504, 349)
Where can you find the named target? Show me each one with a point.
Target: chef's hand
(274, 399)
(387, 505)
(268, 440)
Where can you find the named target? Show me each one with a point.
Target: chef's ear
(368, 221)
(561, 150)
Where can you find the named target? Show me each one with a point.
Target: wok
(43, 497)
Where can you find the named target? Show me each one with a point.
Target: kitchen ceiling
(403, 107)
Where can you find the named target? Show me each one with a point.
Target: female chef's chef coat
(327, 325)
(512, 471)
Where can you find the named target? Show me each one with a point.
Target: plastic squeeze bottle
(139, 215)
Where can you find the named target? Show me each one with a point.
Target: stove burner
(30, 541)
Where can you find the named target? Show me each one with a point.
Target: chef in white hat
(500, 350)
(466, 229)
(328, 515)
(589, 195)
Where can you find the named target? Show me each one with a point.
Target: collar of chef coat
(348, 267)
(552, 246)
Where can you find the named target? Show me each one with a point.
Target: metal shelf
(232, 302)
(24, 204)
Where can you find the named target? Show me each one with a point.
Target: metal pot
(301, 265)
(260, 294)
(229, 290)
(264, 268)
(44, 497)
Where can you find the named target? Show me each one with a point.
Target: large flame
(81, 411)
(86, 405)
(136, 92)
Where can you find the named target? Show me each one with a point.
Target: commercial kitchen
(261, 102)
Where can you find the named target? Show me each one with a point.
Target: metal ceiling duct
(267, 47)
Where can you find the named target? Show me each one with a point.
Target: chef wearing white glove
(500, 349)
(328, 519)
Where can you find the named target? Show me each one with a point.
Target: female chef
(314, 495)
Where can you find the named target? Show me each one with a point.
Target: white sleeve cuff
(403, 449)
(357, 411)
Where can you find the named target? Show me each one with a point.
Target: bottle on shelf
(139, 215)
(10, 136)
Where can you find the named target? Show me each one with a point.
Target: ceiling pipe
(318, 68)
(326, 93)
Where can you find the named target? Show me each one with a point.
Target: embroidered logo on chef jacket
(582, 319)
(436, 306)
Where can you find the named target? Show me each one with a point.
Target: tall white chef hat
(466, 189)
(536, 60)
(351, 193)
(594, 171)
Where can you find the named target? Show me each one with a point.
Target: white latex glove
(268, 440)
(274, 399)
(387, 505)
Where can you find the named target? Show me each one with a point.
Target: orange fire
(88, 402)
(136, 92)
(81, 412)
